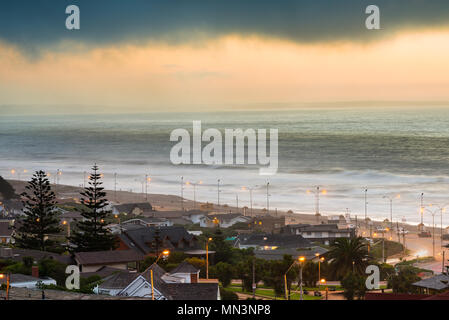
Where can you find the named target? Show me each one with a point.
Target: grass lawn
(269, 293)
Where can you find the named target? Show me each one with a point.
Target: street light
(317, 199)
(164, 254)
(207, 257)
(391, 209)
(323, 283)
(319, 265)
(301, 260)
(8, 280)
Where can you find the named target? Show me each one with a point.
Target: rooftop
(107, 257)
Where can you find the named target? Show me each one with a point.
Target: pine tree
(92, 234)
(6, 190)
(40, 215)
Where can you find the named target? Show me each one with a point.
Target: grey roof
(438, 282)
(103, 272)
(320, 228)
(18, 254)
(172, 291)
(118, 280)
(275, 240)
(185, 267)
(20, 278)
(71, 215)
(191, 291)
(107, 257)
(141, 238)
(5, 229)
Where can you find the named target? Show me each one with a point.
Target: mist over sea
(390, 151)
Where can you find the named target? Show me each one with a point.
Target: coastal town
(147, 246)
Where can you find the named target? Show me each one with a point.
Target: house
(6, 232)
(143, 239)
(119, 259)
(139, 285)
(187, 272)
(323, 233)
(222, 220)
(17, 255)
(115, 283)
(26, 281)
(180, 217)
(261, 241)
(433, 285)
(11, 207)
(71, 216)
(143, 222)
(278, 254)
(267, 224)
(136, 209)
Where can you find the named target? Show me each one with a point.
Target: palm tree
(346, 256)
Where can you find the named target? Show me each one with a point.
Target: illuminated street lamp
(317, 199)
(207, 257)
(301, 261)
(164, 254)
(8, 280)
(320, 260)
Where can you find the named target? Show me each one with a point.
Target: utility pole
(254, 278)
(366, 205)
(268, 198)
(182, 193)
(115, 187)
(218, 193)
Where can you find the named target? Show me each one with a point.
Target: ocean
(390, 151)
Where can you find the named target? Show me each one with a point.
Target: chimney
(35, 271)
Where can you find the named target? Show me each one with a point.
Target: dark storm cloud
(41, 23)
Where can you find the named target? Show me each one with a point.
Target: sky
(159, 55)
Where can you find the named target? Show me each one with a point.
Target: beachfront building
(267, 224)
(265, 241)
(323, 233)
(222, 220)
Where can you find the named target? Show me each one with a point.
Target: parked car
(317, 294)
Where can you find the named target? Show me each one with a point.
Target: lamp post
(8, 280)
(323, 282)
(300, 260)
(182, 193)
(207, 257)
(301, 264)
(366, 204)
(164, 253)
(194, 184)
(433, 229)
(66, 223)
(268, 198)
(391, 209)
(147, 181)
(319, 265)
(218, 193)
(317, 199)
